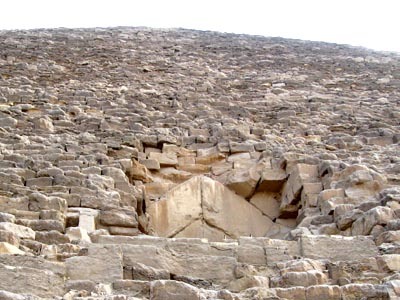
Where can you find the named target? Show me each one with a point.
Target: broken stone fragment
(242, 182)
(272, 180)
(139, 172)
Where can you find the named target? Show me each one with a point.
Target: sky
(371, 24)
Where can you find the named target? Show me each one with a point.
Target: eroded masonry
(176, 164)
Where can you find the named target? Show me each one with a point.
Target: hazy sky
(373, 24)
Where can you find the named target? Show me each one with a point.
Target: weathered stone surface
(203, 198)
(102, 264)
(42, 283)
(7, 248)
(235, 216)
(337, 247)
(169, 289)
(20, 231)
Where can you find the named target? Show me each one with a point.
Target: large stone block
(202, 198)
(170, 289)
(102, 264)
(225, 210)
(30, 280)
(337, 248)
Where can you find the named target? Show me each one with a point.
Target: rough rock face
(176, 164)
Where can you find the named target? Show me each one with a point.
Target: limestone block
(139, 172)
(125, 217)
(155, 190)
(296, 292)
(239, 157)
(309, 194)
(225, 210)
(4, 295)
(39, 182)
(201, 229)
(221, 168)
(251, 254)
(326, 292)
(267, 203)
(174, 175)
(179, 208)
(194, 168)
(129, 231)
(38, 201)
(7, 204)
(356, 291)
(389, 262)
(309, 278)
(135, 288)
(303, 265)
(219, 269)
(9, 237)
(149, 255)
(20, 231)
(146, 273)
(29, 280)
(52, 237)
(272, 180)
(247, 282)
(7, 121)
(376, 216)
(102, 264)
(80, 285)
(280, 250)
(87, 222)
(6, 248)
(291, 193)
(388, 237)
(170, 289)
(150, 164)
(240, 147)
(77, 234)
(45, 225)
(243, 182)
(337, 248)
(6, 217)
(210, 159)
(167, 159)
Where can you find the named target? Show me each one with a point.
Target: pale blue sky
(373, 24)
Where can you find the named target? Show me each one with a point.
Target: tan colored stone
(6, 248)
(267, 203)
(102, 264)
(139, 172)
(199, 228)
(389, 262)
(178, 208)
(170, 289)
(272, 180)
(226, 210)
(243, 182)
(337, 248)
(325, 292)
(20, 231)
(167, 159)
(247, 282)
